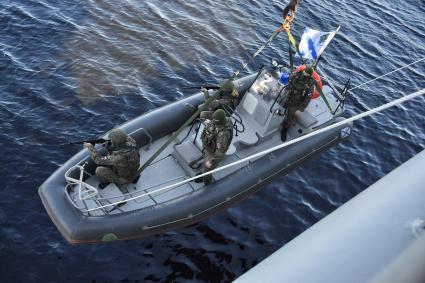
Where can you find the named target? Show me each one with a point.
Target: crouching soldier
(227, 97)
(120, 164)
(216, 138)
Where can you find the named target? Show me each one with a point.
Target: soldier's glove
(208, 164)
(205, 91)
(87, 145)
(277, 112)
(206, 122)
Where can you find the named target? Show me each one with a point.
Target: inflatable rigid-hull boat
(83, 213)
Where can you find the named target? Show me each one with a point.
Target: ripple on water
(74, 69)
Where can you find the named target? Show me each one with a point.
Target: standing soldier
(297, 96)
(121, 163)
(227, 96)
(216, 138)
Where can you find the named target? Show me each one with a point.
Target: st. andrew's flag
(314, 42)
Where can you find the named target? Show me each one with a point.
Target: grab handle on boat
(147, 134)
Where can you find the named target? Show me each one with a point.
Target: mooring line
(260, 154)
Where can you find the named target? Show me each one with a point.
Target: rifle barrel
(202, 86)
(93, 142)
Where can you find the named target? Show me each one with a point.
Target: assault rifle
(202, 86)
(93, 142)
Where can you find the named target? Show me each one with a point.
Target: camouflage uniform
(297, 96)
(228, 95)
(121, 163)
(216, 139)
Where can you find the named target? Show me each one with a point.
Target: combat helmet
(117, 137)
(309, 70)
(227, 87)
(219, 117)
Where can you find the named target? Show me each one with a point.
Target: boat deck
(173, 164)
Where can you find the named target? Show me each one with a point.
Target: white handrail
(90, 191)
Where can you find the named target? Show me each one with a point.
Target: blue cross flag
(314, 42)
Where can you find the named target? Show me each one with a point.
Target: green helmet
(226, 86)
(219, 117)
(309, 70)
(118, 136)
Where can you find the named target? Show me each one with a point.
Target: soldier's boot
(136, 179)
(198, 180)
(283, 134)
(196, 164)
(103, 185)
(207, 179)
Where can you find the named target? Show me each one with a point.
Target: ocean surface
(72, 69)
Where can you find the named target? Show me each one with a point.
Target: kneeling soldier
(227, 97)
(216, 138)
(121, 164)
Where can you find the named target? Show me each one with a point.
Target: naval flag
(314, 42)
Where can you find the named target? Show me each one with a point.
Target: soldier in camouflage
(121, 163)
(227, 96)
(297, 96)
(216, 138)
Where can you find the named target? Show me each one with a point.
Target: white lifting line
(377, 78)
(322, 73)
(309, 135)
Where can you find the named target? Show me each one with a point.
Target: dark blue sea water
(71, 69)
